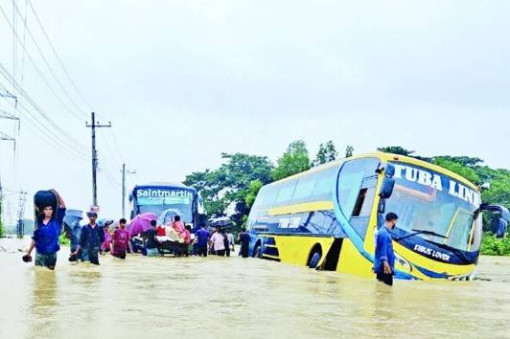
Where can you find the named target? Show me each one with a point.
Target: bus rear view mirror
(387, 188)
(390, 171)
(501, 228)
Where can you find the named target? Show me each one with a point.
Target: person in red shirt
(161, 231)
(121, 240)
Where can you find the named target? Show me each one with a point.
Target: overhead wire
(23, 51)
(47, 132)
(48, 135)
(62, 87)
(58, 57)
(38, 109)
(68, 109)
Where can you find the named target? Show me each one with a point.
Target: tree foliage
(396, 150)
(294, 160)
(327, 152)
(230, 183)
(349, 151)
(458, 168)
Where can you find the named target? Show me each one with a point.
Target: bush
(64, 240)
(494, 246)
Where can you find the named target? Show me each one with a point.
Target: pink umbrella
(141, 223)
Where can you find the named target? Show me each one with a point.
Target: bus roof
(162, 184)
(384, 157)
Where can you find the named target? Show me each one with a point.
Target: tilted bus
(167, 200)
(327, 217)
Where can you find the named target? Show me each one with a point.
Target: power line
(23, 51)
(47, 63)
(8, 77)
(58, 57)
(39, 71)
(49, 135)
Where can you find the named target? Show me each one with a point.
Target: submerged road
(239, 298)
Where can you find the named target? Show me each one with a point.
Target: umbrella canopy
(220, 222)
(141, 223)
(72, 219)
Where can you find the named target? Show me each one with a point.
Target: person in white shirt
(218, 243)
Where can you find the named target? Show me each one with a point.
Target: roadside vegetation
(494, 246)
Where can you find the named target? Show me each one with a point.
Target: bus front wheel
(315, 257)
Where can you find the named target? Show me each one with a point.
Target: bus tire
(256, 251)
(315, 257)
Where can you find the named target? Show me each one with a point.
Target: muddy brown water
(239, 298)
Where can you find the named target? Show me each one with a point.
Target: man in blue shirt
(91, 238)
(202, 240)
(384, 258)
(45, 238)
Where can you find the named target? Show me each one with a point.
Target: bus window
(259, 201)
(285, 193)
(324, 185)
(270, 194)
(304, 188)
(356, 192)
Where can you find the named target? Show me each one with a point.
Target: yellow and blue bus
(327, 217)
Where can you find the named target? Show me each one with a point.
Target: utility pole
(21, 214)
(93, 126)
(124, 188)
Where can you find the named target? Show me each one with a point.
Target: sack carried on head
(44, 199)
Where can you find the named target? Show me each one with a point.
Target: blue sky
(183, 81)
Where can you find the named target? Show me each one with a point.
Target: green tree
(327, 152)
(349, 151)
(464, 171)
(463, 160)
(230, 183)
(396, 150)
(294, 160)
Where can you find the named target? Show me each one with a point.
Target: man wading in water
(45, 238)
(384, 258)
(92, 236)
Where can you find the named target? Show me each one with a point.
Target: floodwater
(239, 298)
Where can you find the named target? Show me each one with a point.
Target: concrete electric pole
(93, 127)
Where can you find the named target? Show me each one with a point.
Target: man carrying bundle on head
(50, 212)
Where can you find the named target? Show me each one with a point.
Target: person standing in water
(202, 239)
(218, 241)
(45, 238)
(92, 236)
(384, 259)
(244, 239)
(120, 240)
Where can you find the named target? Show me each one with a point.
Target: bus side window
(304, 188)
(356, 192)
(285, 193)
(325, 184)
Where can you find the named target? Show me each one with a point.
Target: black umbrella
(220, 222)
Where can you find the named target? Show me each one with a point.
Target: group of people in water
(92, 240)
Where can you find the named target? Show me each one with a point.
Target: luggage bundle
(43, 199)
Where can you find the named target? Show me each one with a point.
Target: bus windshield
(159, 200)
(436, 208)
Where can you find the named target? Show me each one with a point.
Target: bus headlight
(403, 263)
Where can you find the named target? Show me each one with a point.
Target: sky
(183, 81)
